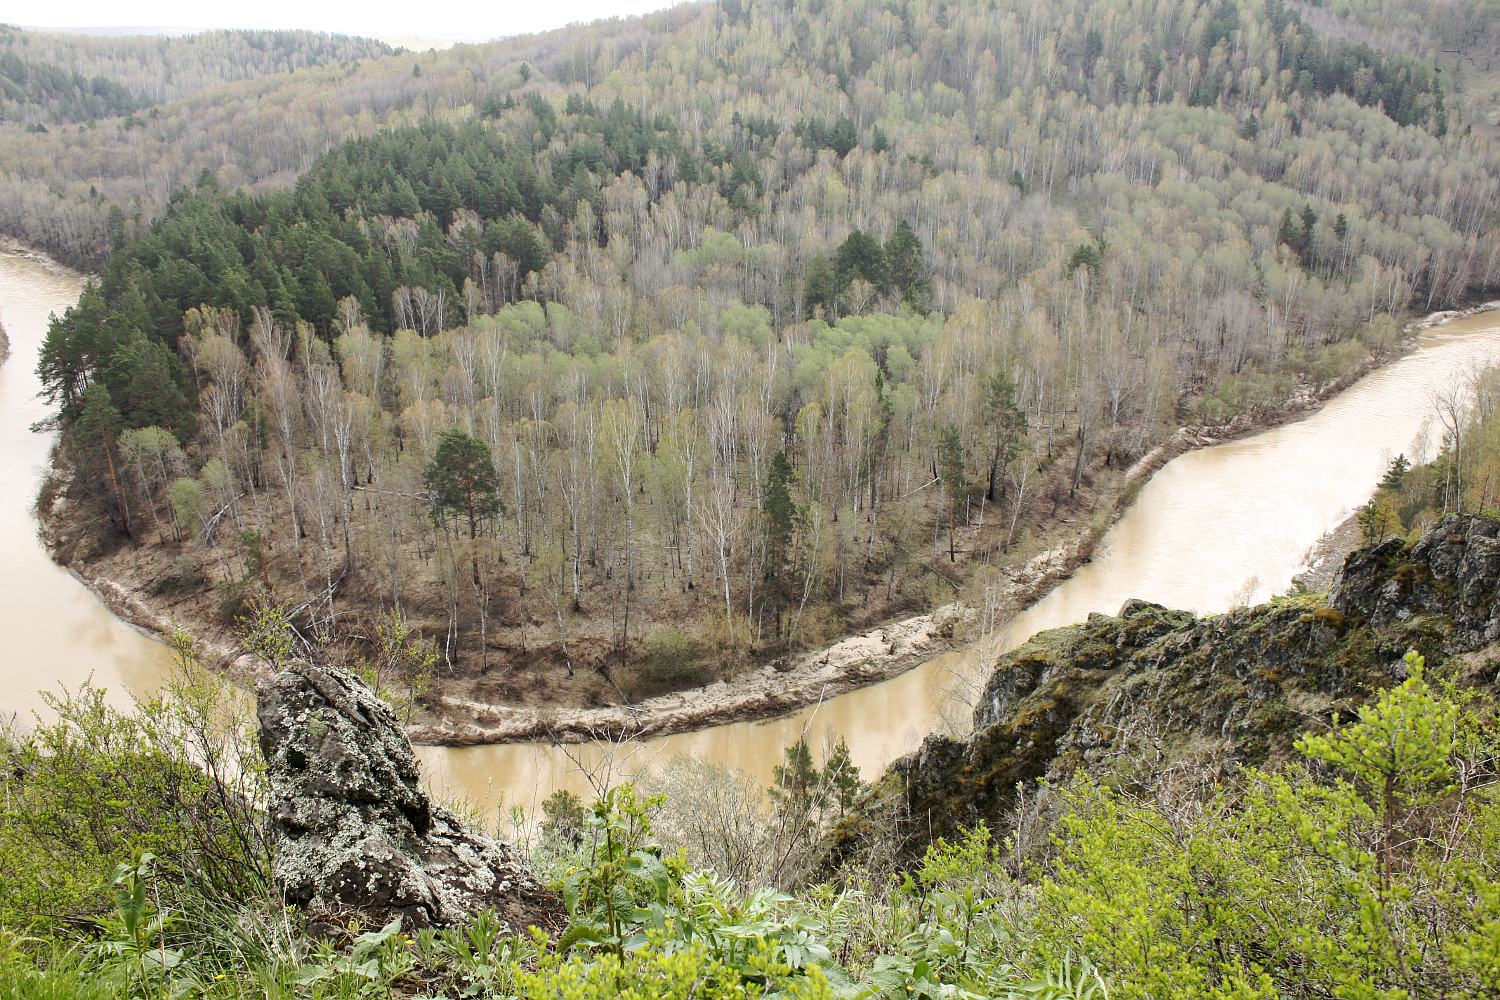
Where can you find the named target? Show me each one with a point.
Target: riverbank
(126, 585)
(129, 582)
(1449, 315)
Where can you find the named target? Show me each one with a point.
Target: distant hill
(52, 78)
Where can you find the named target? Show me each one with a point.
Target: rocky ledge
(355, 833)
(1150, 690)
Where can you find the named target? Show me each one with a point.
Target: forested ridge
(59, 188)
(780, 321)
(49, 79)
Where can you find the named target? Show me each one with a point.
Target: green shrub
(671, 662)
(99, 787)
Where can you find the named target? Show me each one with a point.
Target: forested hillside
(58, 189)
(782, 320)
(48, 79)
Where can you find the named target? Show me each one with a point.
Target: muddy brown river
(1215, 527)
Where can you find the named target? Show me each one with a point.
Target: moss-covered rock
(353, 829)
(1130, 695)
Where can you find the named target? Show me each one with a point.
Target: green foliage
(1273, 884)
(1377, 522)
(1288, 885)
(783, 520)
(906, 269)
(807, 798)
(671, 662)
(1395, 475)
(1085, 255)
(267, 632)
(399, 668)
(563, 816)
(186, 496)
(461, 479)
(99, 788)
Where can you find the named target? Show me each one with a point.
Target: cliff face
(1129, 695)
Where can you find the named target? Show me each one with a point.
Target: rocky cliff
(354, 832)
(1131, 695)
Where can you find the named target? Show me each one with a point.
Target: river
(1213, 528)
(57, 634)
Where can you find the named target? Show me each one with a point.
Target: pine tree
(91, 444)
(783, 518)
(906, 269)
(955, 486)
(862, 256)
(1010, 425)
(841, 777)
(462, 482)
(1396, 474)
(796, 784)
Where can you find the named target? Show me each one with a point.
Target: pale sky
(453, 20)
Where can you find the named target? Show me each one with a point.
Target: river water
(1213, 528)
(56, 633)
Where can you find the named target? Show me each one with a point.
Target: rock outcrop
(1127, 696)
(354, 830)
(1452, 574)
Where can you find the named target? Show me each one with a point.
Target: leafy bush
(98, 787)
(1365, 871)
(671, 662)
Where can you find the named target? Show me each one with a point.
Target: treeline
(49, 79)
(413, 224)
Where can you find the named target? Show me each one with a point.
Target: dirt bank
(1448, 315)
(124, 594)
(1327, 555)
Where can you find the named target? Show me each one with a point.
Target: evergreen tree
(91, 444)
(1009, 421)
(862, 256)
(782, 520)
(1396, 474)
(841, 777)
(906, 268)
(955, 484)
(462, 481)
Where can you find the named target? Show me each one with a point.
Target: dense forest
(59, 188)
(909, 290)
(55, 79)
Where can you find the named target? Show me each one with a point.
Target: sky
(448, 20)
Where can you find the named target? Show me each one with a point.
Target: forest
(54, 79)
(724, 380)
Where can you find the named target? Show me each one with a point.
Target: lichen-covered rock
(1124, 697)
(1453, 571)
(354, 829)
